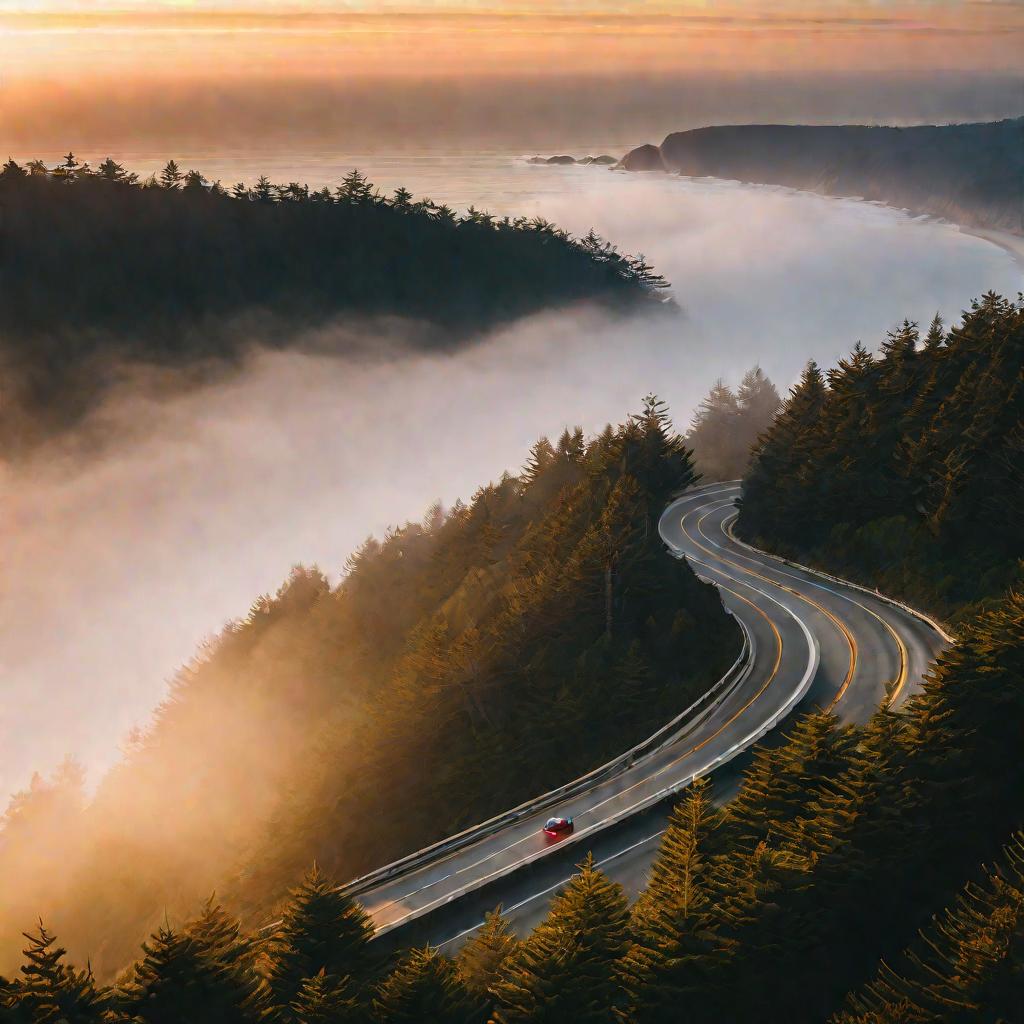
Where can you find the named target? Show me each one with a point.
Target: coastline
(1006, 240)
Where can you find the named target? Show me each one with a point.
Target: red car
(557, 827)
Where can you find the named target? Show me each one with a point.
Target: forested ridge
(863, 874)
(842, 844)
(967, 173)
(99, 270)
(463, 665)
(906, 470)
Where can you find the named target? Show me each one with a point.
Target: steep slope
(463, 665)
(905, 471)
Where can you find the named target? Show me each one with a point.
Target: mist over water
(116, 564)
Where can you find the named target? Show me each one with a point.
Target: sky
(149, 75)
(458, 37)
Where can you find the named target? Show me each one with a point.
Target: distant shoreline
(1006, 240)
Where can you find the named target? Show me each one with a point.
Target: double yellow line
(901, 676)
(850, 639)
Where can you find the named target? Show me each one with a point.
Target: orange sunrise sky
(399, 37)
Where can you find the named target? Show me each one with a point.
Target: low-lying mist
(119, 559)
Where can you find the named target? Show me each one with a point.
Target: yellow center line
(801, 597)
(901, 676)
(767, 682)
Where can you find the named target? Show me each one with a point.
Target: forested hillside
(99, 269)
(905, 471)
(968, 173)
(464, 664)
(842, 843)
(862, 875)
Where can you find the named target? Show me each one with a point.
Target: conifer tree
(567, 969)
(967, 965)
(758, 399)
(176, 980)
(426, 986)
(320, 930)
(325, 999)
(676, 927)
(480, 960)
(170, 176)
(50, 991)
(773, 495)
(13, 171)
(784, 779)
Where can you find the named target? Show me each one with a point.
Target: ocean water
(177, 529)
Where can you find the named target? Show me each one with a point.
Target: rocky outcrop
(566, 160)
(643, 158)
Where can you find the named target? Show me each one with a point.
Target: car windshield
(553, 822)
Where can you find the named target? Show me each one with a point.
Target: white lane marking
(902, 650)
(593, 808)
(557, 885)
(802, 687)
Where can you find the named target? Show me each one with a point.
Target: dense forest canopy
(863, 874)
(905, 471)
(541, 626)
(842, 844)
(99, 269)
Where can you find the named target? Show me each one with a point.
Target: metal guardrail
(654, 743)
(651, 800)
(657, 741)
(914, 612)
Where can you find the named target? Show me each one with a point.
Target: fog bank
(117, 564)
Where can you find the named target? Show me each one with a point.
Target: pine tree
(355, 189)
(676, 925)
(13, 171)
(320, 930)
(50, 991)
(936, 335)
(176, 980)
(542, 455)
(715, 435)
(324, 999)
(783, 780)
(966, 967)
(426, 986)
(402, 199)
(567, 969)
(776, 501)
(758, 400)
(170, 177)
(480, 960)
(264, 190)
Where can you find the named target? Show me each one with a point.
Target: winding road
(810, 642)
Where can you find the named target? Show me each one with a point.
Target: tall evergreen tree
(171, 176)
(50, 991)
(482, 957)
(426, 986)
(320, 930)
(676, 925)
(567, 969)
(325, 999)
(176, 980)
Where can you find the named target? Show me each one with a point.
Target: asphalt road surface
(814, 643)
